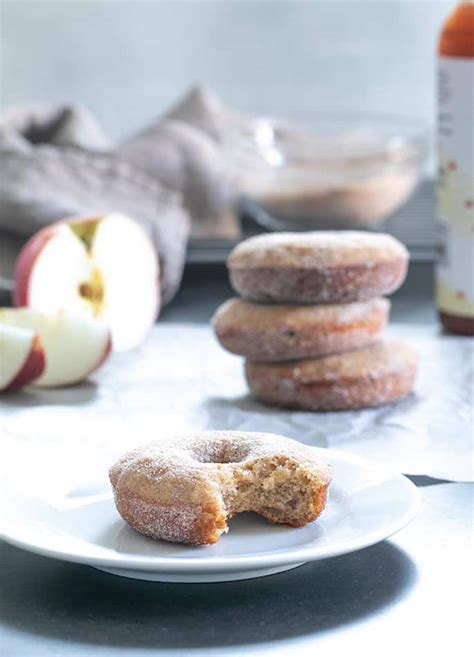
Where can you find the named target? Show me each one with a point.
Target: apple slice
(22, 357)
(74, 345)
(103, 267)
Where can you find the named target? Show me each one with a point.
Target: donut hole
(276, 488)
(221, 453)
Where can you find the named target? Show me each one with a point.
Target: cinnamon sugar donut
(184, 488)
(376, 375)
(278, 332)
(317, 267)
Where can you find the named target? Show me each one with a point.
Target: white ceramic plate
(366, 504)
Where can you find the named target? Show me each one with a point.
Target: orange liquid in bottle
(457, 36)
(456, 200)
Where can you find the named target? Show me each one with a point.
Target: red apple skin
(31, 250)
(32, 368)
(26, 259)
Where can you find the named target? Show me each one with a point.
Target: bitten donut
(278, 332)
(184, 488)
(317, 267)
(376, 375)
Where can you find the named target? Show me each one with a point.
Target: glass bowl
(342, 172)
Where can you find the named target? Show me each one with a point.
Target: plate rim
(294, 554)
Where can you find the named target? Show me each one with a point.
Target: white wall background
(128, 60)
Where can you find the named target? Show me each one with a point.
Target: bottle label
(455, 189)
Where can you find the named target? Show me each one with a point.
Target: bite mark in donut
(185, 488)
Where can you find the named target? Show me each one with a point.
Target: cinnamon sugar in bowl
(342, 172)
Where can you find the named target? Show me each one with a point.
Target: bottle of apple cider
(455, 188)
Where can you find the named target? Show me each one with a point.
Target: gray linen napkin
(185, 160)
(53, 164)
(59, 126)
(202, 109)
(183, 150)
(57, 162)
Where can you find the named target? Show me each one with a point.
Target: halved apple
(103, 267)
(74, 345)
(22, 358)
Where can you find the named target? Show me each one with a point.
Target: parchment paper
(182, 379)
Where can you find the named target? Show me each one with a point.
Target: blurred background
(128, 61)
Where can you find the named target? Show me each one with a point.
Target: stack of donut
(310, 317)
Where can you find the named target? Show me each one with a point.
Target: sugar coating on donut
(316, 249)
(386, 356)
(285, 332)
(238, 312)
(318, 267)
(366, 377)
(184, 488)
(325, 285)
